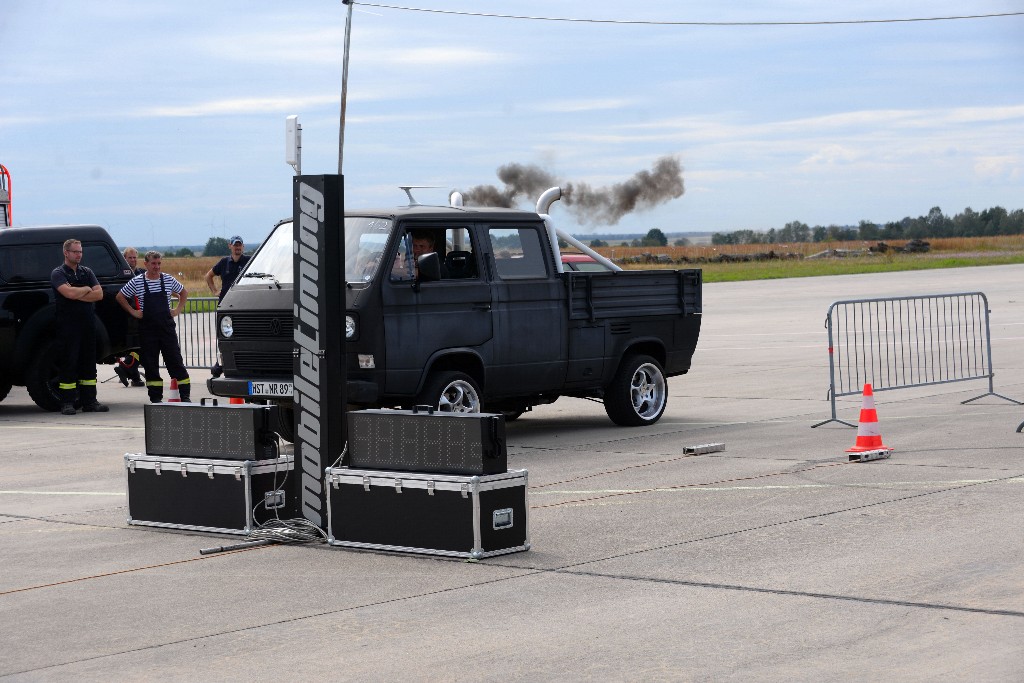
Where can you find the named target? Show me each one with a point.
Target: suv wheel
(41, 378)
(451, 392)
(638, 393)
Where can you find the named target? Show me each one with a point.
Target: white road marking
(60, 493)
(768, 487)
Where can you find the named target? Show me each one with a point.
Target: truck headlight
(350, 327)
(227, 328)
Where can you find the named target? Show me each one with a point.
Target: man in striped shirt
(147, 297)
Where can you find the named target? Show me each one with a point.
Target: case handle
(203, 401)
(429, 409)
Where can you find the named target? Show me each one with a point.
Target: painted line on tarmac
(768, 487)
(60, 493)
(74, 427)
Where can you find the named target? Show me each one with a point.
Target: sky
(164, 121)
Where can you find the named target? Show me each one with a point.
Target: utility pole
(344, 86)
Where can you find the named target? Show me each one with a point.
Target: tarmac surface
(773, 560)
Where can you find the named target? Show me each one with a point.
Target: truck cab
(455, 307)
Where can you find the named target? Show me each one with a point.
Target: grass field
(957, 252)
(191, 272)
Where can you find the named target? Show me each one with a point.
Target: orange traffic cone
(173, 396)
(869, 444)
(234, 400)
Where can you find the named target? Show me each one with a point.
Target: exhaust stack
(549, 197)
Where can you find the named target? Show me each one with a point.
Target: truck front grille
(272, 326)
(263, 363)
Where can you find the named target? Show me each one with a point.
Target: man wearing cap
(227, 269)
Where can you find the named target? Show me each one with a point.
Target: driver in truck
(407, 264)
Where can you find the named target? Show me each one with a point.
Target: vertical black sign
(319, 350)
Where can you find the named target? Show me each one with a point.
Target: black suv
(28, 350)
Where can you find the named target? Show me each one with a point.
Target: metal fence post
(831, 372)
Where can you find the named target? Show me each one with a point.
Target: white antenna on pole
(293, 143)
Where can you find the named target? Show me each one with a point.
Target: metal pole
(831, 373)
(344, 85)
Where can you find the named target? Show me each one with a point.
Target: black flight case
(206, 494)
(433, 514)
(422, 440)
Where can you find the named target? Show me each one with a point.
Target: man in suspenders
(153, 290)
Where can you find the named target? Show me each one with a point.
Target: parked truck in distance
(28, 344)
(487, 318)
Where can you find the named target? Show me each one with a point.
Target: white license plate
(270, 389)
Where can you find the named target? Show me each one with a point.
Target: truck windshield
(365, 239)
(273, 261)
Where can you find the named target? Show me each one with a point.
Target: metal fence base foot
(992, 393)
(832, 419)
(867, 456)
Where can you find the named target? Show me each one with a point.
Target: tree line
(654, 238)
(215, 246)
(969, 223)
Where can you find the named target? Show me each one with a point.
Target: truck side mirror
(429, 267)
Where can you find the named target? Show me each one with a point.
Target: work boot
(122, 374)
(67, 409)
(138, 383)
(94, 407)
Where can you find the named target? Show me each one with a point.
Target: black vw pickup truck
(489, 320)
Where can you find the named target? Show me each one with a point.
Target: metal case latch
(184, 469)
(156, 468)
(209, 471)
(430, 487)
(465, 490)
(238, 474)
(398, 485)
(366, 483)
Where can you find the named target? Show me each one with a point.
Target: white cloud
(579, 106)
(831, 155)
(240, 105)
(999, 168)
(438, 56)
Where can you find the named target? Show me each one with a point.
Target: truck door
(529, 315)
(450, 314)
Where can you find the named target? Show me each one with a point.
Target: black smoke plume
(604, 205)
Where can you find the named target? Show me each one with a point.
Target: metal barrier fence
(197, 332)
(906, 342)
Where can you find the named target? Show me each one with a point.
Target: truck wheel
(638, 393)
(451, 392)
(41, 378)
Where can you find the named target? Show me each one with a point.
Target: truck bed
(596, 296)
